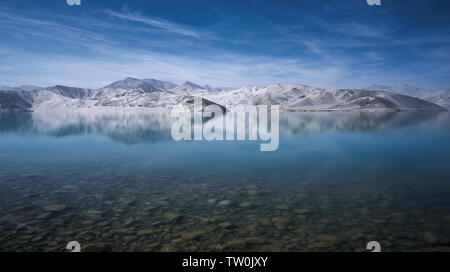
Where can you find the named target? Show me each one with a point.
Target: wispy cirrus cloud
(27, 29)
(157, 23)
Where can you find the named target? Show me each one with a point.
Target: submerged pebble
(54, 207)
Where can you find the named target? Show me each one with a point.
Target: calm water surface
(119, 182)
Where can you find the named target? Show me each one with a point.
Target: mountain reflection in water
(141, 127)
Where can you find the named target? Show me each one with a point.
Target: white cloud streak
(158, 23)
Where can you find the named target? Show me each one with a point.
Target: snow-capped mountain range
(142, 94)
(441, 98)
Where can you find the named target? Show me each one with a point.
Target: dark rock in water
(126, 201)
(107, 235)
(430, 238)
(386, 243)
(163, 203)
(97, 247)
(282, 207)
(303, 211)
(226, 225)
(330, 240)
(23, 208)
(177, 241)
(281, 222)
(128, 222)
(317, 246)
(54, 207)
(245, 205)
(252, 192)
(225, 203)
(194, 234)
(168, 248)
(255, 240)
(146, 232)
(435, 239)
(69, 187)
(236, 244)
(93, 212)
(173, 217)
(44, 215)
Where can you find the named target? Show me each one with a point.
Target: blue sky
(328, 43)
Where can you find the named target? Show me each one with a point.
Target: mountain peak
(159, 84)
(192, 85)
(131, 83)
(187, 87)
(210, 88)
(128, 82)
(147, 85)
(62, 87)
(130, 79)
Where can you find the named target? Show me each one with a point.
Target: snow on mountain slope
(132, 93)
(162, 85)
(441, 98)
(400, 89)
(14, 101)
(211, 89)
(70, 92)
(146, 85)
(362, 99)
(300, 97)
(242, 96)
(188, 88)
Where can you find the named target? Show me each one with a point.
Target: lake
(118, 181)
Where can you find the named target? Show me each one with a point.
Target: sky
(226, 43)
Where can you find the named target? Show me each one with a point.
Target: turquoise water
(119, 182)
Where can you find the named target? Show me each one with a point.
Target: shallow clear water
(119, 182)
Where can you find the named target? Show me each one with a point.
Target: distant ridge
(20, 88)
(134, 93)
(441, 98)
